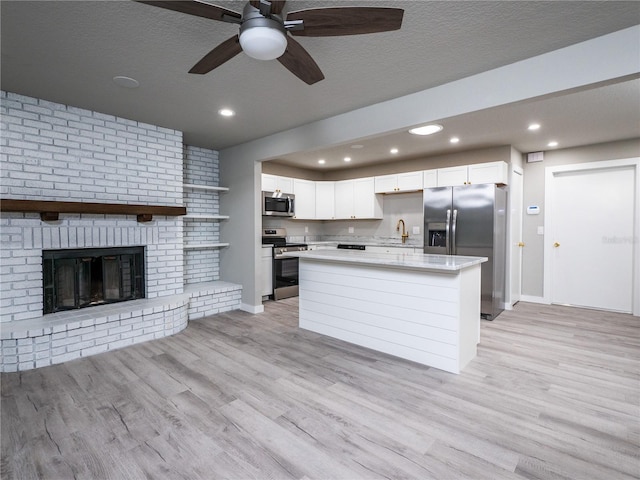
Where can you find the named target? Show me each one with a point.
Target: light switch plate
(540, 230)
(351, 230)
(416, 230)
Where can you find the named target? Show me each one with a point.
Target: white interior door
(515, 201)
(591, 239)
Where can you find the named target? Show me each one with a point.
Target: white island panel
(427, 316)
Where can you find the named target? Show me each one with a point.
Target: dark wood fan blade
(216, 57)
(298, 61)
(329, 22)
(199, 9)
(276, 5)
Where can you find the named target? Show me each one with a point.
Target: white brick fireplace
(53, 152)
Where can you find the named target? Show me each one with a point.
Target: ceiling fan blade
(197, 8)
(216, 57)
(328, 22)
(276, 5)
(298, 61)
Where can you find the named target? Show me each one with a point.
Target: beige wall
(493, 154)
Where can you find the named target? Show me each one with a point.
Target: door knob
(556, 244)
(521, 244)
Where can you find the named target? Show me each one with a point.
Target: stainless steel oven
(285, 269)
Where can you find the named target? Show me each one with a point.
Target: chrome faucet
(405, 235)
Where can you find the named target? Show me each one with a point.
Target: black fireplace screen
(91, 276)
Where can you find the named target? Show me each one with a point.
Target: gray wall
(578, 66)
(533, 253)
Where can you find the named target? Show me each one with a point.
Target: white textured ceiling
(68, 52)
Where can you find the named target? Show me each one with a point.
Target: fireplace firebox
(88, 277)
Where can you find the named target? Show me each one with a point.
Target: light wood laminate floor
(553, 394)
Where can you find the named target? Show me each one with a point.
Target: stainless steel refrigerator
(471, 220)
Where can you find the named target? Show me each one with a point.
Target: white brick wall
(201, 167)
(70, 335)
(51, 151)
(57, 152)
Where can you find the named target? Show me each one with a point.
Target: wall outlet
(540, 230)
(306, 229)
(416, 230)
(351, 230)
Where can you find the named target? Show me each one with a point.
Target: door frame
(512, 269)
(549, 185)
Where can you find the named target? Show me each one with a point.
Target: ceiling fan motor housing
(262, 38)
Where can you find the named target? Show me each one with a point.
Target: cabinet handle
(556, 244)
(521, 244)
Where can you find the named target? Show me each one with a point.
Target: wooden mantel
(50, 210)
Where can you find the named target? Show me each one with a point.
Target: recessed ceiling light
(393, 151)
(126, 82)
(552, 144)
(226, 112)
(534, 126)
(347, 159)
(427, 129)
(321, 161)
(357, 145)
(454, 140)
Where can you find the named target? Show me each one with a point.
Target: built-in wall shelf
(50, 210)
(205, 217)
(193, 186)
(205, 246)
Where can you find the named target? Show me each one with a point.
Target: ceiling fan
(264, 33)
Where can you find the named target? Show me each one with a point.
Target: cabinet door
(429, 178)
(386, 184)
(452, 176)
(325, 200)
(275, 183)
(268, 183)
(267, 272)
(366, 204)
(305, 203)
(491, 172)
(409, 181)
(344, 199)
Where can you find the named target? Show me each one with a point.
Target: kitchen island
(423, 308)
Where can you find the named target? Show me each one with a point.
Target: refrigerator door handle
(446, 233)
(453, 232)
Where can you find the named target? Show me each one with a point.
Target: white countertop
(414, 261)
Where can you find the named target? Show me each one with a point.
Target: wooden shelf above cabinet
(50, 210)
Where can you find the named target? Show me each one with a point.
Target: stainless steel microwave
(278, 204)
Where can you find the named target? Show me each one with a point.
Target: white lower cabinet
(267, 270)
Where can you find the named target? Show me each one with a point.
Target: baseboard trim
(533, 299)
(254, 309)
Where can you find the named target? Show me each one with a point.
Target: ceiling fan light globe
(263, 43)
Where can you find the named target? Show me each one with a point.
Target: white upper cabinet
(430, 178)
(275, 183)
(325, 200)
(491, 172)
(357, 199)
(452, 176)
(305, 202)
(401, 182)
